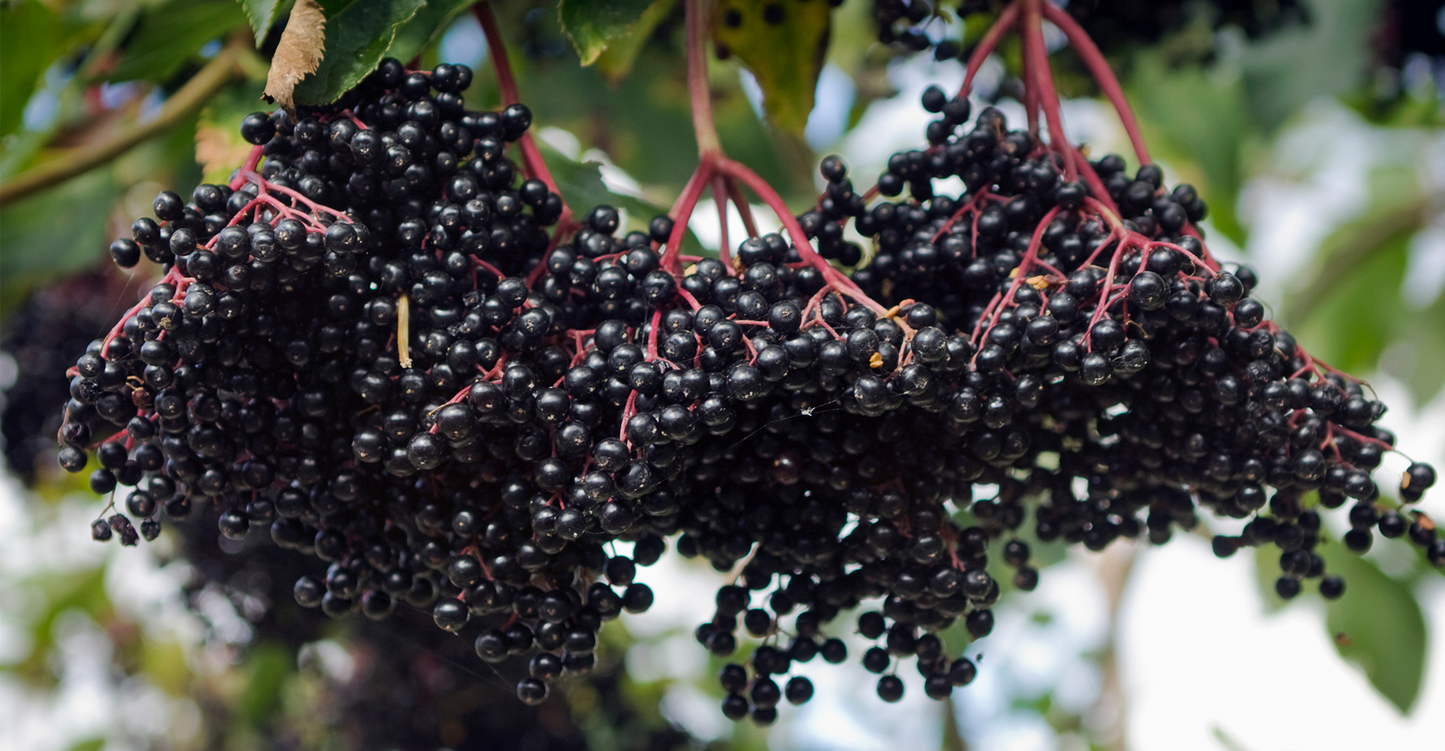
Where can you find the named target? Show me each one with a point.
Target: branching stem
(1099, 67)
(1046, 95)
(795, 232)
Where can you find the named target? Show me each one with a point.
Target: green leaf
(1327, 56)
(28, 37)
(785, 56)
(89, 744)
(76, 590)
(358, 36)
(425, 27)
(268, 666)
(1225, 739)
(975, 25)
(581, 186)
(41, 238)
(171, 35)
(643, 122)
(1378, 626)
(1351, 309)
(1412, 108)
(616, 62)
(334, 7)
(592, 24)
(1200, 122)
(1266, 573)
(1351, 327)
(164, 665)
(1424, 330)
(261, 14)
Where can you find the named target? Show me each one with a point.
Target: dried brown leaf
(297, 54)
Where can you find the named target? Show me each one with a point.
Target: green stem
(1369, 238)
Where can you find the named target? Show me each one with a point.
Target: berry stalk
(1103, 75)
(699, 93)
(987, 45)
(1045, 94)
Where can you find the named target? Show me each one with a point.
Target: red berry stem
(1032, 89)
(480, 264)
(1099, 67)
(697, 84)
(682, 211)
(719, 197)
(252, 160)
(1036, 54)
(315, 207)
(795, 232)
(744, 210)
(532, 162)
(986, 46)
(1031, 257)
(1091, 178)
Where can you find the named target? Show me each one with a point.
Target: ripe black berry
(890, 688)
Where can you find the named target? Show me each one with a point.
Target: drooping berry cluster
(293, 369)
(373, 347)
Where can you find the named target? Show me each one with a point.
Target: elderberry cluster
(1030, 355)
(1107, 338)
(292, 369)
(369, 345)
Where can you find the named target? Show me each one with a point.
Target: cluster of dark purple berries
(399, 705)
(1125, 354)
(372, 348)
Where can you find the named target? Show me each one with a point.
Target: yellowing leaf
(297, 54)
(783, 44)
